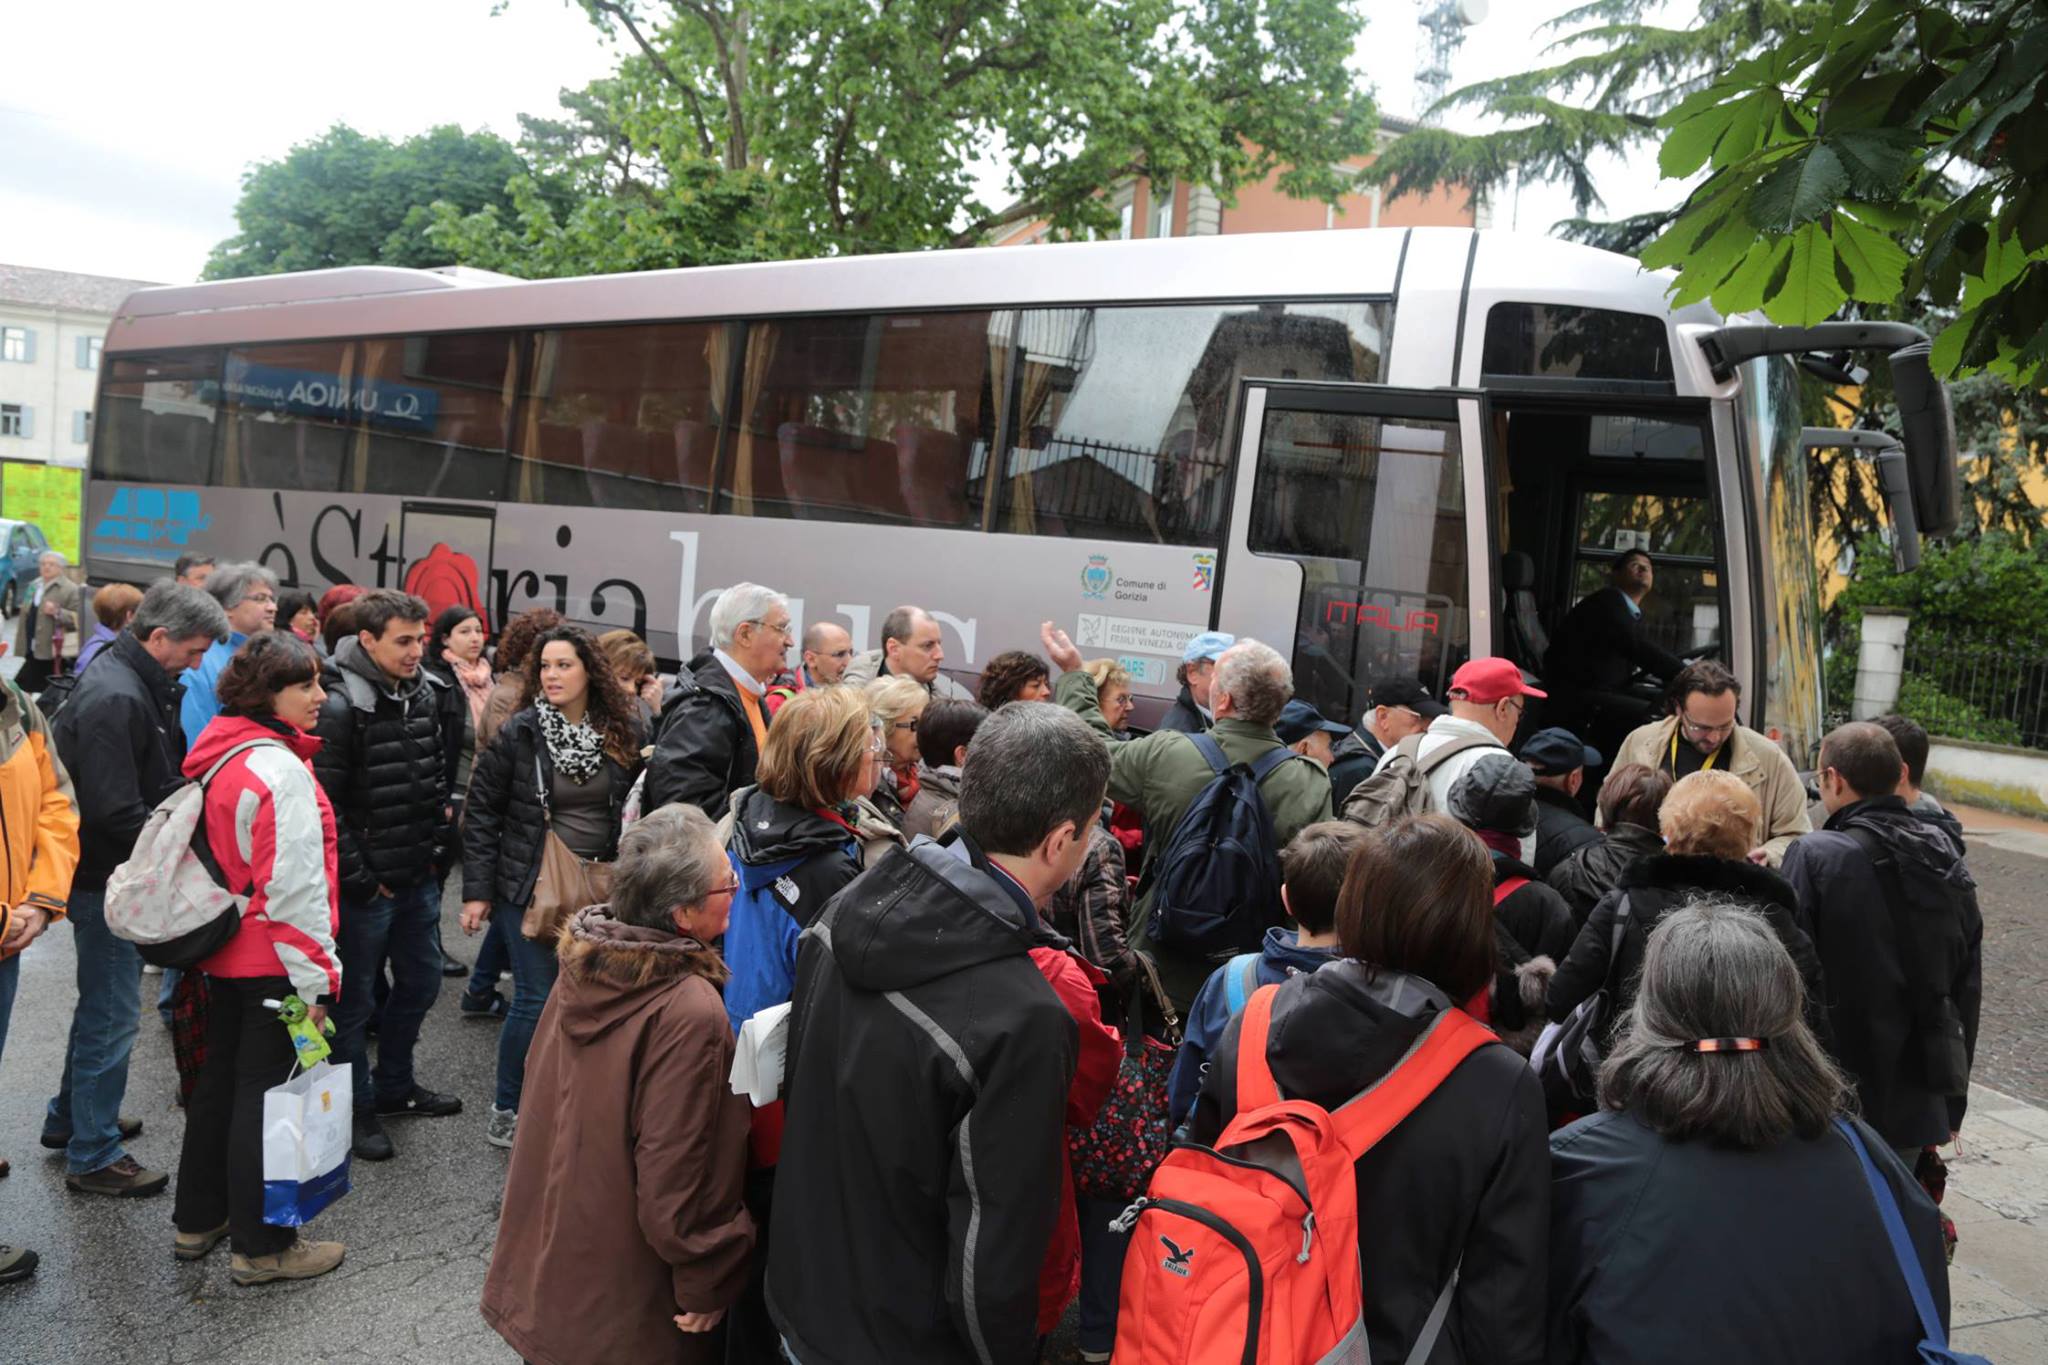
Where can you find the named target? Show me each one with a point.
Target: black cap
(1406, 692)
(1298, 720)
(1497, 793)
(1557, 751)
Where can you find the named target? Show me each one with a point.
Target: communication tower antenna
(1440, 31)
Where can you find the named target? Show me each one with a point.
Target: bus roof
(374, 300)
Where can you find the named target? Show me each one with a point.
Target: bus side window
(437, 414)
(881, 419)
(622, 416)
(156, 417)
(285, 416)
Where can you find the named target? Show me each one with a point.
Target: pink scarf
(476, 684)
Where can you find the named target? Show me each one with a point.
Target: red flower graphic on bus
(446, 578)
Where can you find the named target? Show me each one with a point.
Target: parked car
(25, 544)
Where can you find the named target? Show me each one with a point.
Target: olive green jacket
(1161, 774)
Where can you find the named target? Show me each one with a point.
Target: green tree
(348, 199)
(864, 121)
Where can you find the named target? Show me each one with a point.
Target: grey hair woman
(626, 1179)
(1711, 1210)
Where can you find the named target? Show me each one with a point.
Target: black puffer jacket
(387, 759)
(1594, 870)
(1846, 906)
(704, 749)
(1562, 828)
(1466, 1177)
(1697, 1253)
(1656, 886)
(504, 826)
(120, 740)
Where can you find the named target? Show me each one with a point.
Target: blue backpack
(1217, 886)
(760, 937)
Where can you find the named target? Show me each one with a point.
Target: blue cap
(1298, 720)
(1210, 644)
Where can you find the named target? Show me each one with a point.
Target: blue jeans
(88, 1101)
(10, 977)
(491, 959)
(402, 930)
(533, 976)
(172, 976)
(1102, 1271)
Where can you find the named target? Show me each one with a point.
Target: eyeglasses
(1519, 704)
(781, 628)
(262, 598)
(1694, 730)
(839, 654)
(910, 725)
(731, 888)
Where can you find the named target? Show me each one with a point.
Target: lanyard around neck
(1674, 751)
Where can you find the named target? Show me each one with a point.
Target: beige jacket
(1761, 765)
(35, 636)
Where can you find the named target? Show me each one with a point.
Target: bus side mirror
(1894, 477)
(1930, 438)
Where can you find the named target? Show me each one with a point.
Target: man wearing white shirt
(713, 725)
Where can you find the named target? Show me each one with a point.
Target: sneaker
(371, 1141)
(302, 1260)
(451, 968)
(504, 1123)
(194, 1246)
(16, 1263)
(489, 1005)
(1095, 1357)
(151, 969)
(57, 1139)
(422, 1103)
(125, 1179)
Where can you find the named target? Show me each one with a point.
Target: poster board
(49, 495)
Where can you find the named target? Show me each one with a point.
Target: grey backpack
(1400, 786)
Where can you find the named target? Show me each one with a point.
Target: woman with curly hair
(1014, 675)
(562, 765)
(515, 646)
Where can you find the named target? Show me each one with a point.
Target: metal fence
(1976, 687)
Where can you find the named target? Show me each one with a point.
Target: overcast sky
(127, 134)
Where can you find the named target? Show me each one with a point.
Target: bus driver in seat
(1601, 644)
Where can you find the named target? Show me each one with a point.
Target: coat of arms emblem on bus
(1205, 572)
(1095, 577)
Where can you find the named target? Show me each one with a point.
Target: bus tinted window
(1373, 509)
(435, 414)
(884, 418)
(155, 417)
(623, 416)
(1563, 342)
(286, 413)
(1119, 419)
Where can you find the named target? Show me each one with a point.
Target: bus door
(1358, 541)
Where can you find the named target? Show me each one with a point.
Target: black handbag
(1114, 1157)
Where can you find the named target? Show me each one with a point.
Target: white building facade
(51, 326)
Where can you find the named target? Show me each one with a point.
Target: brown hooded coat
(623, 1205)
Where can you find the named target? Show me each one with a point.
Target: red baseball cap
(1488, 680)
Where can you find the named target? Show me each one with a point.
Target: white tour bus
(1383, 452)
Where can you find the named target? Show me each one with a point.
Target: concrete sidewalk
(1998, 1195)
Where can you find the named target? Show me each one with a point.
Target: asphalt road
(419, 1229)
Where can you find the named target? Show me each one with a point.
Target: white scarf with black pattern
(575, 750)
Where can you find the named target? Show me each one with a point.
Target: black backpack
(1927, 911)
(1217, 882)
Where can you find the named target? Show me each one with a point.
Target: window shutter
(28, 345)
(78, 426)
(84, 353)
(28, 416)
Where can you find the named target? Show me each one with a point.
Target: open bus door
(1359, 541)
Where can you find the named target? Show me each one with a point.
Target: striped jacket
(271, 828)
(38, 815)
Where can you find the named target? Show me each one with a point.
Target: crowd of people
(852, 1012)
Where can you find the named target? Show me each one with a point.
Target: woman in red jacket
(269, 825)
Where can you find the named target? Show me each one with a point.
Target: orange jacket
(38, 814)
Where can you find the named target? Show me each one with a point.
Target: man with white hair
(50, 613)
(910, 648)
(713, 725)
(1160, 775)
(248, 594)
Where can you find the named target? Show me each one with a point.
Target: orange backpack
(1246, 1253)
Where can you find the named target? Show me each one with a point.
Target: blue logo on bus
(145, 518)
(1095, 576)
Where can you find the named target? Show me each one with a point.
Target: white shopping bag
(306, 1138)
(758, 1055)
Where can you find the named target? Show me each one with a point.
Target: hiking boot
(489, 1005)
(194, 1246)
(125, 1179)
(503, 1125)
(371, 1141)
(422, 1103)
(16, 1263)
(302, 1260)
(57, 1139)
